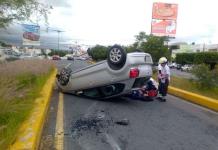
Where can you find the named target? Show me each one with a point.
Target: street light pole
(58, 31)
(58, 38)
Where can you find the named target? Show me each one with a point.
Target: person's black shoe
(162, 99)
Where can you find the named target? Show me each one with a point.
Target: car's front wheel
(64, 76)
(116, 57)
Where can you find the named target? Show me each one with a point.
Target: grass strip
(17, 95)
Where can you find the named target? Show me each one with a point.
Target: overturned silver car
(118, 75)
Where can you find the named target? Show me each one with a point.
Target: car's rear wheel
(108, 90)
(116, 57)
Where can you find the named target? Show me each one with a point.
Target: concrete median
(195, 98)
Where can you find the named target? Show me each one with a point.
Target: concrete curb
(30, 132)
(195, 98)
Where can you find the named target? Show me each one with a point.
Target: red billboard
(163, 27)
(164, 11)
(31, 34)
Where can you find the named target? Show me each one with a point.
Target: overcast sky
(118, 21)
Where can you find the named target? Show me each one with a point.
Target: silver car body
(101, 74)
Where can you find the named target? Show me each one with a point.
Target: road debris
(89, 124)
(123, 122)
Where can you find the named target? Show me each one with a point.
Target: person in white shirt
(163, 78)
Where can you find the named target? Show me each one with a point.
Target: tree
(153, 45)
(98, 52)
(141, 37)
(89, 52)
(61, 53)
(3, 44)
(206, 77)
(21, 10)
(210, 58)
(131, 48)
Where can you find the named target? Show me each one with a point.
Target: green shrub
(61, 53)
(206, 78)
(98, 52)
(210, 58)
(185, 58)
(20, 84)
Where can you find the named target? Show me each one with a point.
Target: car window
(148, 59)
(91, 93)
(139, 82)
(104, 91)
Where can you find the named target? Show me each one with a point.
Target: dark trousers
(163, 87)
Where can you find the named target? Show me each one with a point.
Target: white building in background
(15, 49)
(32, 51)
(190, 48)
(78, 50)
(47, 51)
(9, 52)
(205, 48)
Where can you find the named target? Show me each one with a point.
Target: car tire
(64, 76)
(107, 90)
(116, 57)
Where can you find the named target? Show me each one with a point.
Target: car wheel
(116, 57)
(108, 90)
(64, 76)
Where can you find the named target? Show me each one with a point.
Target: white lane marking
(68, 65)
(112, 142)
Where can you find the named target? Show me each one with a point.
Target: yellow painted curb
(195, 98)
(30, 132)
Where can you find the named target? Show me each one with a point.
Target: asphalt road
(95, 125)
(181, 74)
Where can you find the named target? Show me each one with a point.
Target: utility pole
(58, 38)
(58, 31)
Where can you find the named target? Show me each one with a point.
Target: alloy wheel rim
(115, 55)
